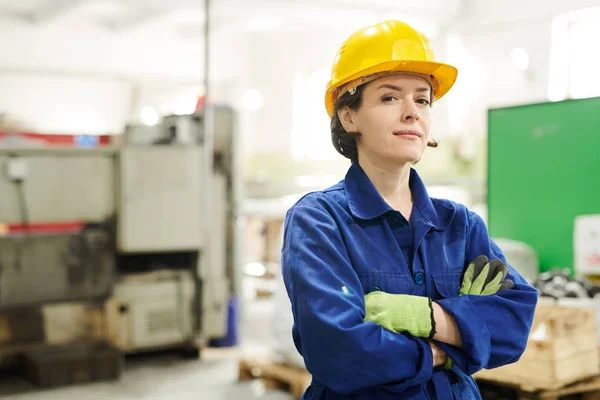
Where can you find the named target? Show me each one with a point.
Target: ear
(347, 118)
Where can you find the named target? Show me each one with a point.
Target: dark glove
(484, 277)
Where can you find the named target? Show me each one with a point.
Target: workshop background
(149, 151)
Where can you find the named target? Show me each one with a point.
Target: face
(393, 119)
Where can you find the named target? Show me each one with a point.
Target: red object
(56, 140)
(594, 259)
(200, 104)
(42, 228)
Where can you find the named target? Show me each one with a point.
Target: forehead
(402, 81)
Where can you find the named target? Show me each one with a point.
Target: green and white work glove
(401, 313)
(484, 277)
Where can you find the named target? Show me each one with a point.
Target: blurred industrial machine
(520, 256)
(145, 228)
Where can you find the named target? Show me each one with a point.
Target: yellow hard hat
(385, 48)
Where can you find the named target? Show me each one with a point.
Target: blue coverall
(345, 241)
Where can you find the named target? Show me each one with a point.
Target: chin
(407, 157)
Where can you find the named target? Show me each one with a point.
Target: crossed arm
(349, 355)
(446, 329)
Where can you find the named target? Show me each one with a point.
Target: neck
(391, 181)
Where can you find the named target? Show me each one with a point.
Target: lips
(409, 133)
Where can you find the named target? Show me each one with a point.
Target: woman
(393, 293)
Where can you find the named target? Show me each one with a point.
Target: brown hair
(345, 142)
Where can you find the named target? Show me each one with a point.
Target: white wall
(119, 73)
(503, 15)
(290, 52)
(72, 74)
(64, 77)
(58, 104)
(487, 76)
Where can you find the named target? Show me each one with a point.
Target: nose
(410, 112)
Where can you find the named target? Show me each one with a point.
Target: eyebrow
(399, 89)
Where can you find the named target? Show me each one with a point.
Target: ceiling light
(252, 100)
(149, 116)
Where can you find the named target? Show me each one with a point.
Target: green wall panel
(543, 171)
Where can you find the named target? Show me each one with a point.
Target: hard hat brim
(444, 75)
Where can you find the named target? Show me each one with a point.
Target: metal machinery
(146, 227)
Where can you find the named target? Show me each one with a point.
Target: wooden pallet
(589, 389)
(275, 375)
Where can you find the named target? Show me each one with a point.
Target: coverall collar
(366, 203)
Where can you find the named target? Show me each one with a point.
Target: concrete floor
(167, 376)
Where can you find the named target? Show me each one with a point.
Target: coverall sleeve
(494, 329)
(340, 350)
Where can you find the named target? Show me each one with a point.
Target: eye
(423, 101)
(387, 99)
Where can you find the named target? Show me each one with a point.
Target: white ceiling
(187, 16)
(164, 39)
(112, 15)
